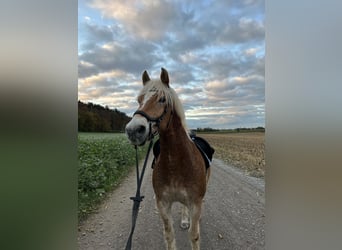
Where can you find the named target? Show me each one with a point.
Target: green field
(103, 160)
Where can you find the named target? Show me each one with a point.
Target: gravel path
(233, 215)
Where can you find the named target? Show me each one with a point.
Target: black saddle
(203, 146)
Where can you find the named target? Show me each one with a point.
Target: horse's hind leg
(194, 231)
(185, 220)
(208, 174)
(165, 213)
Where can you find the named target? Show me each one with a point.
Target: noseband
(150, 120)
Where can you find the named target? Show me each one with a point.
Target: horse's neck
(175, 134)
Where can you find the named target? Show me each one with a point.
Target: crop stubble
(242, 150)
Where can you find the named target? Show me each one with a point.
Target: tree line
(96, 118)
(235, 130)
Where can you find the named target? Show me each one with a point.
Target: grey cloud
(227, 65)
(229, 22)
(154, 21)
(85, 69)
(231, 93)
(240, 31)
(98, 33)
(259, 67)
(181, 74)
(189, 90)
(94, 34)
(132, 58)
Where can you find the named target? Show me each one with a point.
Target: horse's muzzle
(137, 131)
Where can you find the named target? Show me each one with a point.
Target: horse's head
(155, 104)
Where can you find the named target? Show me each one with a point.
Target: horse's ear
(164, 77)
(145, 77)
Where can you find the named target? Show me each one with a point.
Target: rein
(138, 198)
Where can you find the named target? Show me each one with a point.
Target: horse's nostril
(128, 130)
(141, 129)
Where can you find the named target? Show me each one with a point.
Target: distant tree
(96, 118)
(88, 122)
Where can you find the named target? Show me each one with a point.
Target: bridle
(150, 120)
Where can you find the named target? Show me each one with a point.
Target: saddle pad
(204, 147)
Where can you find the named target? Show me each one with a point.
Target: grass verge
(104, 159)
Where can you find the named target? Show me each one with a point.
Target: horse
(179, 173)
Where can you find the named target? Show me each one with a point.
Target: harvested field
(242, 150)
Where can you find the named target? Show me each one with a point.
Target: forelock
(156, 87)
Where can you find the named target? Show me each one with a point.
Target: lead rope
(138, 198)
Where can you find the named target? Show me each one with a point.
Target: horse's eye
(162, 99)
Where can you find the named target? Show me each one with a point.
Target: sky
(214, 52)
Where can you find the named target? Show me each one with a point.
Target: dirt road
(233, 215)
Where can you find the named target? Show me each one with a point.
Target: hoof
(184, 225)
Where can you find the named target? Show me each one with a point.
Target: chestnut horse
(179, 173)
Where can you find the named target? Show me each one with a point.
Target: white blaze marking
(148, 96)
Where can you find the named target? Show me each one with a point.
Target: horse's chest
(175, 194)
(171, 176)
(169, 186)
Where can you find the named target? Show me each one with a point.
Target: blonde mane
(157, 87)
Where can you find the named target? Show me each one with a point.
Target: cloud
(231, 87)
(214, 52)
(132, 57)
(145, 19)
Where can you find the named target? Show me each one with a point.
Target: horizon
(198, 128)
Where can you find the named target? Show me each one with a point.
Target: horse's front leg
(165, 213)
